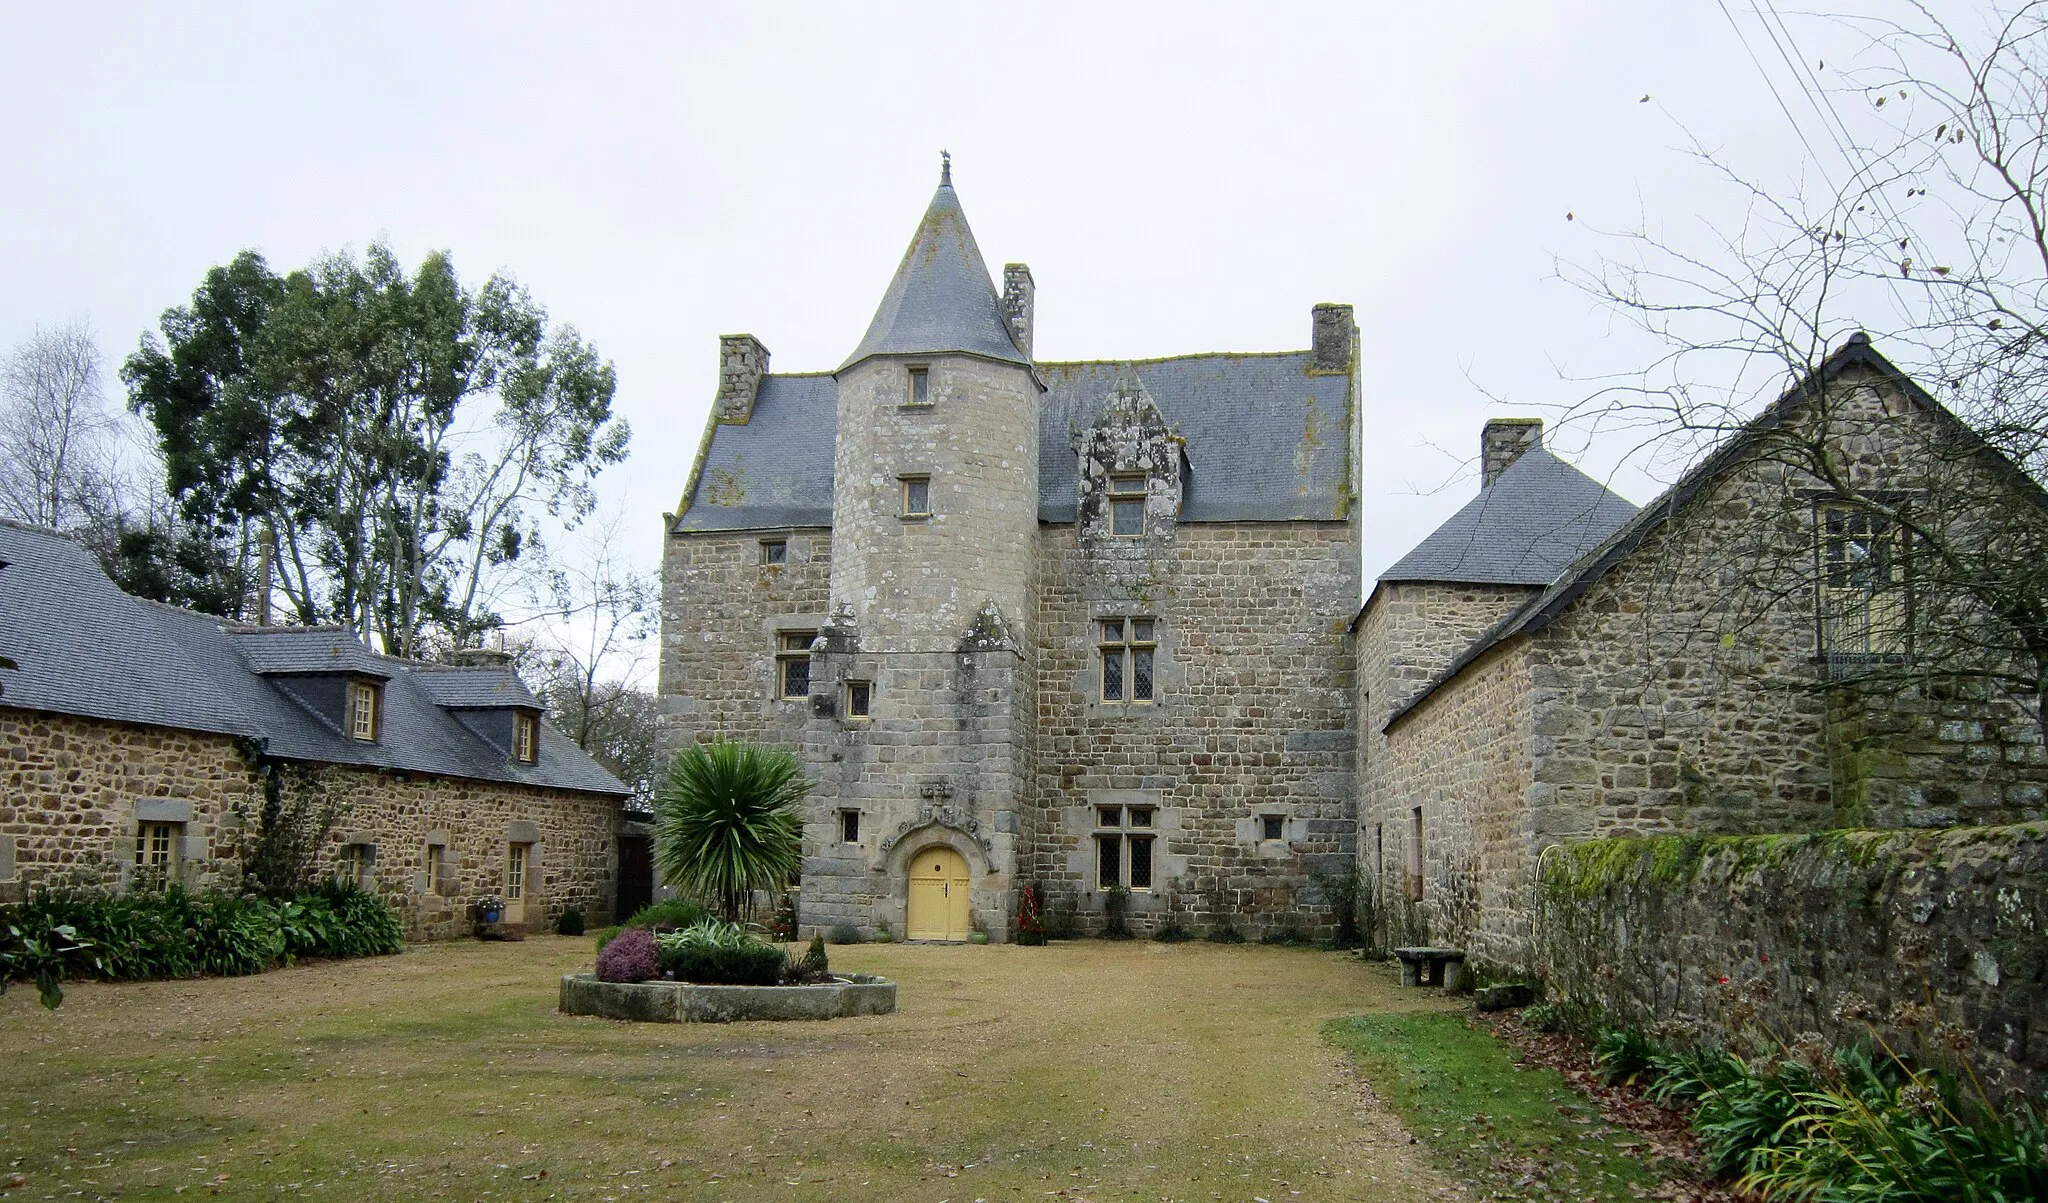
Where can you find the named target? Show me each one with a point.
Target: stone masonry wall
(1766, 937)
(1461, 759)
(721, 609)
(1254, 717)
(406, 816)
(70, 790)
(76, 789)
(1409, 631)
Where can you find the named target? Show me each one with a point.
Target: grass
(1516, 1133)
(1080, 1071)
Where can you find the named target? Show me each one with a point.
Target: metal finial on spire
(945, 169)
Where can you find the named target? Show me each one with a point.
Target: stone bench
(1425, 966)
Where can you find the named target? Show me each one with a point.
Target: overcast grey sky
(1180, 177)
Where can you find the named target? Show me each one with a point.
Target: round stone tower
(923, 691)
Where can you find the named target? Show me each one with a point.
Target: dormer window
(1127, 504)
(364, 719)
(526, 738)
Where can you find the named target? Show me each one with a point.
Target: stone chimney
(1336, 336)
(1018, 294)
(742, 361)
(1502, 443)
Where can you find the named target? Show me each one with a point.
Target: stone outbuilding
(142, 741)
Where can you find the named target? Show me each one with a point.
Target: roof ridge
(1180, 358)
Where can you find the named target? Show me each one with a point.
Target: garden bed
(687, 1002)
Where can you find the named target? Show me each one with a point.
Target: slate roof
(941, 298)
(1537, 517)
(84, 647)
(1266, 441)
(1546, 607)
(475, 688)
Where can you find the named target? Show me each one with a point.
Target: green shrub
(843, 933)
(670, 912)
(1171, 932)
(815, 963)
(728, 822)
(721, 954)
(1563, 1015)
(1625, 1055)
(570, 923)
(1288, 933)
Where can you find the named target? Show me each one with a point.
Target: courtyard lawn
(1089, 1070)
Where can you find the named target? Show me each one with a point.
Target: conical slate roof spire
(941, 299)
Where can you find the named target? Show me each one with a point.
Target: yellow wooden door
(938, 896)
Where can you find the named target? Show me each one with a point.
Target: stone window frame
(1119, 838)
(1127, 493)
(1272, 827)
(1418, 859)
(774, 553)
(519, 870)
(356, 863)
(1138, 637)
(793, 648)
(365, 711)
(435, 876)
(849, 825)
(1849, 609)
(525, 737)
(909, 487)
(917, 386)
(860, 701)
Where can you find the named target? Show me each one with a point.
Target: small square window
(1141, 816)
(920, 385)
(775, 551)
(1109, 816)
(1127, 505)
(917, 496)
(1272, 827)
(849, 827)
(859, 696)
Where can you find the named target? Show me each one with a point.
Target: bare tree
(1926, 563)
(592, 656)
(58, 440)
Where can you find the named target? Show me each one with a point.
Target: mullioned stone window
(1129, 649)
(793, 664)
(1124, 840)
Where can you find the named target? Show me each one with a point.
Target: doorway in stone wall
(937, 905)
(636, 876)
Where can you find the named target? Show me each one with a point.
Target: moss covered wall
(1938, 939)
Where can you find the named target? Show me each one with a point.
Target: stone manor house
(1098, 626)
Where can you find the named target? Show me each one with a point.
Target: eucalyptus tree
(395, 440)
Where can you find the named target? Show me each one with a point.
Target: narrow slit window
(920, 385)
(917, 496)
(525, 738)
(859, 697)
(437, 869)
(1127, 505)
(849, 827)
(515, 871)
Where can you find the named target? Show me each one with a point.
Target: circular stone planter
(686, 1002)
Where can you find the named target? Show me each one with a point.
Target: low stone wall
(686, 1002)
(1936, 940)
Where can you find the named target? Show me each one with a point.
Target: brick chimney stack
(1019, 294)
(742, 361)
(1503, 442)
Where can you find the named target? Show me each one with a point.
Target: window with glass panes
(1124, 837)
(1128, 647)
(354, 863)
(1127, 505)
(793, 664)
(362, 710)
(917, 496)
(1864, 607)
(156, 848)
(525, 738)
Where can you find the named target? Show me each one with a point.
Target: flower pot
(980, 937)
(493, 916)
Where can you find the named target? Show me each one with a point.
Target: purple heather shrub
(629, 958)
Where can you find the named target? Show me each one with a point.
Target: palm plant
(728, 821)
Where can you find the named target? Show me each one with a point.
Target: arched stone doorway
(937, 904)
